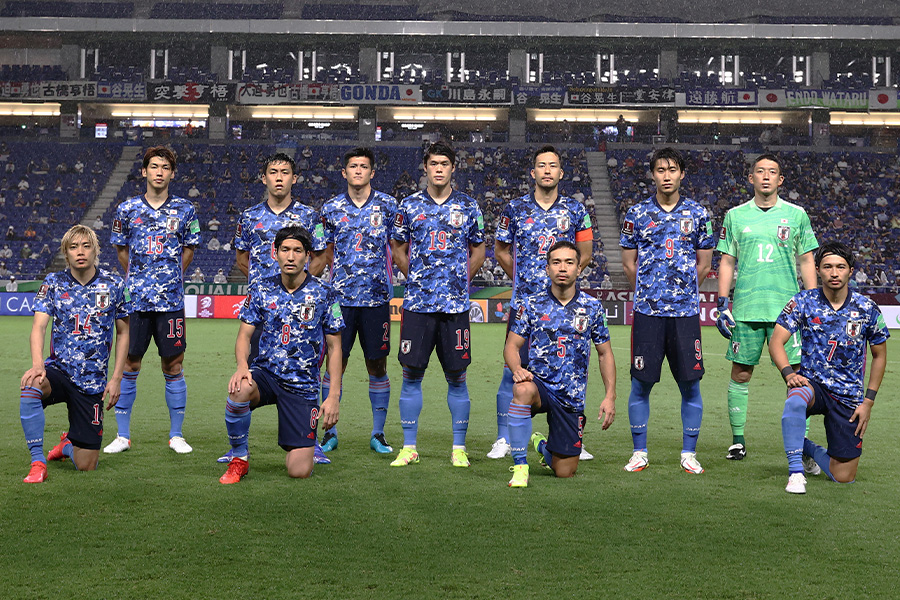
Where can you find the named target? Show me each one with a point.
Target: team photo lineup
(318, 280)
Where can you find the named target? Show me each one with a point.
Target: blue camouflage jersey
(361, 271)
(560, 339)
(531, 231)
(84, 321)
(439, 237)
(258, 226)
(667, 244)
(293, 327)
(834, 341)
(155, 238)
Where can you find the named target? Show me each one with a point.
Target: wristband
(870, 394)
(787, 371)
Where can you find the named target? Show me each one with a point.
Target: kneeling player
(296, 313)
(560, 322)
(835, 324)
(85, 304)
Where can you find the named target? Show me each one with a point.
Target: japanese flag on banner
(883, 99)
(771, 98)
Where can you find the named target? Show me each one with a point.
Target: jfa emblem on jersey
(457, 218)
(375, 219)
(563, 223)
(172, 224)
(405, 346)
(687, 226)
(784, 233)
(639, 363)
(101, 300)
(307, 311)
(580, 323)
(853, 329)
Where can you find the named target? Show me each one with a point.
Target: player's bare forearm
(808, 270)
(242, 258)
(187, 257)
(777, 341)
(629, 265)
(317, 263)
(476, 258)
(607, 412)
(879, 364)
(503, 255)
(400, 255)
(704, 263)
(607, 369)
(122, 340)
(586, 249)
(242, 345)
(112, 392)
(122, 255)
(514, 343)
(334, 364)
(35, 375)
(726, 274)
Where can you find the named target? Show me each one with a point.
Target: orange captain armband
(585, 235)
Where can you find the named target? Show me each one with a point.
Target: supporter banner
(191, 92)
(216, 289)
(490, 94)
(883, 99)
(536, 96)
(116, 90)
(844, 100)
(280, 93)
(771, 99)
(380, 93)
(48, 90)
(602, 96)
(709, 97)
(16, 303)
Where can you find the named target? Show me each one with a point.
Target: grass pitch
(150, 523)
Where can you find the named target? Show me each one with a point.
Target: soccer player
(296, 314)
(558, 326)
(155, 235)
(764, 236)
(357, 229)
(85, 304)
(667, 244)
(835, 324)
(438, 243)
(529, 226)
(254, 239)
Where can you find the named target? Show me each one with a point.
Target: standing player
(528, 227)
(85, 304)
(438, 243)
(155, 235)
(254, 239)
(834, 324)
(296, 313)
(357, 230)
(558, 325)
(765, 236)
(667, 247)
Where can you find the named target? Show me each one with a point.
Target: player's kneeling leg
(299, 462)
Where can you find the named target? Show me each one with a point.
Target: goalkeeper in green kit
(764, 238)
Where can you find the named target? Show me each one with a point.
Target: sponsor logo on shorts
(735, 347)
(639, 363)
(405, 346)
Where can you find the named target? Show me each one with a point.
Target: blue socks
(326, 385)
(639, 412)
(176, 399)
(793, 426)
(410, 403)
(237, 423)
(820, 455)
(691, 413)
(459, 404)
(504, 397)
(380, 397)
(519, 431)
(31, 413)
(126, 400)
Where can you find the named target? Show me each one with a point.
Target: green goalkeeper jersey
(766, 244)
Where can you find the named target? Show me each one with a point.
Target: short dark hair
(670, 154)
(160, 152)
(838, 249)
(564, 244)
(279, 157)
(360, 152)
(768, 156)
(294, 232)
(543, 150)
(440, 148)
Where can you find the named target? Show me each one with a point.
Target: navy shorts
(565, 426)
(674, 338)
(420, 333)
(166, 328)
(298, 415)
(523, 351)
(839, 431)
(85, 410)
(373, 323)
